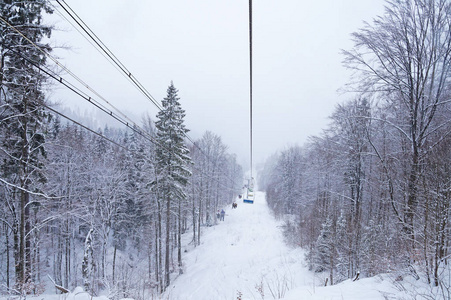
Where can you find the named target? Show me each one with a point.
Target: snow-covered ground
(241, 254)
(244, 257)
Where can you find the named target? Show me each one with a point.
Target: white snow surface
(244, 257)
(237, 255)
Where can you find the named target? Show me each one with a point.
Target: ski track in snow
(237, 255)
(246, 251)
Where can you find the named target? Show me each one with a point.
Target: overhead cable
(91, 100)
(250, 79)
(85, 96)
(67, 70)
(103, 49)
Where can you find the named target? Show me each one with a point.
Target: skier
(222, 215)
(218, 215)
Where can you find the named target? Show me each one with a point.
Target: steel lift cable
(91, 100)
(250, 82)
(104, 50)
(64, 68)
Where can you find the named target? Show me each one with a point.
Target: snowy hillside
(239, 255)
(245, 255)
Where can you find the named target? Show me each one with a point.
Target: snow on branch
(28, 191)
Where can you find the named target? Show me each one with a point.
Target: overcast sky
(203, 47)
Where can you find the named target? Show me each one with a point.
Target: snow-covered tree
(216, 180)
(173, 168)
(324, 254)
(381, 167)
(403, 59)
(22, 118)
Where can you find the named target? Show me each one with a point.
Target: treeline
(97, 221)
(371, 194)
(103, 209)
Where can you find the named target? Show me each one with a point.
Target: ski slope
(245, 257)
(241, 253)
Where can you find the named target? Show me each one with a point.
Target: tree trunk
(24, 263)
(7, 257)
(37, 258)
(74, 271)
(88, 265)
(167, 280)
(179, 238)
(160, 247)
(114, 265)
(199, 220)
(17, 257)
(426, 239)
(23, 258)
(58, 261)
(67, 257)
(412, 203)
(194, 216)
(149, 251)
(157, 256)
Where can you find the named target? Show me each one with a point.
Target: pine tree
(325, 250)
(172, 167)
(22, 118)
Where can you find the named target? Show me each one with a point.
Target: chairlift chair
(249, 197)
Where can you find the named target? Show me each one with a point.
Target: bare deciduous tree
(404, 59)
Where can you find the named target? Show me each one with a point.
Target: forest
(107, 208)
(371, 194)
(102, 208)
